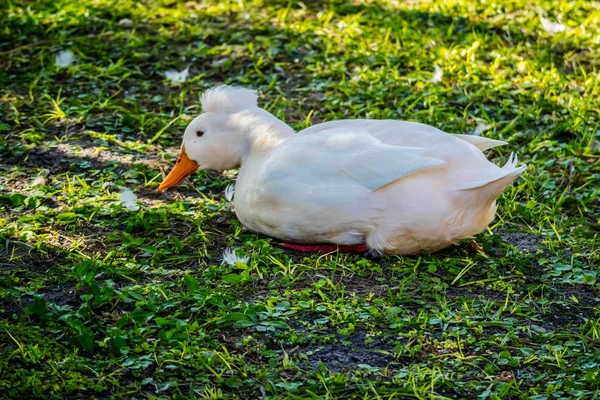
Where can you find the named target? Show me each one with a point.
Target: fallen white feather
(229, 192)
(64, 58)
(552, 27)
(178, 77)
(218, 63)
(125, 22)
(230, 257)
(128, 199)
(40, 180)
(438, 73)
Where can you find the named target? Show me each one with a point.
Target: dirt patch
(10, 308)
(78, 156)
(65, 294)
(92, 236)
(353, 284)
(587, 295)
(349, 353)
(566, 311)
(523, 241)
(51, 159)
(150, 196)
(363, 287)
(340, 357)
(551, 322)
(20, 257)
(563, 320)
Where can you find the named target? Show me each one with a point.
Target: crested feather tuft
(228, 99)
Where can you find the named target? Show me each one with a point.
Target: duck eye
(199, 133)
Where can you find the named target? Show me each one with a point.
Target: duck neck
(264, 130)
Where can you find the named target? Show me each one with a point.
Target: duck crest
(228, 99)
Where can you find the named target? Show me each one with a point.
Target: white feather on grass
(230, 257)
(39, 180)
(64, 58)
(229, 193)
(438, 73)
(178, 76)
(125, 22)
(552, 27)
(128, 200)
(218, 63)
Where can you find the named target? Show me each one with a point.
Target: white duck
(385, 186)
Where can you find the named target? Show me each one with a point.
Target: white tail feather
(496, 175)
(481, 143)
(489, 191)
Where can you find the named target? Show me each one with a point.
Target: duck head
(224, 134)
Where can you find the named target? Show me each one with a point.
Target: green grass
(100, 301)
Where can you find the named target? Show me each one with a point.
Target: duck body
(398, 187)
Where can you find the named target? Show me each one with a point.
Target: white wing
(413, 134)
(335, 154)
(466, 166)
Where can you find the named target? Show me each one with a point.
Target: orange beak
(182, 169)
